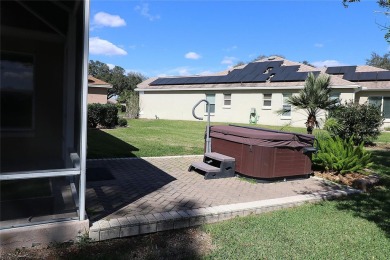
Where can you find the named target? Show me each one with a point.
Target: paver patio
(148, 190)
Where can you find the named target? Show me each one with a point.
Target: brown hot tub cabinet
(263, 153)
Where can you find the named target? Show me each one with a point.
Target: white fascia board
(375, 89)
(235, 88)
(213, 89)
(99, 86)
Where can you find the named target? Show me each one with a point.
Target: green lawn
(144, 138)
(328, 230)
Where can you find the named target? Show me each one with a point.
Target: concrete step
(204, 167)
(219, 157)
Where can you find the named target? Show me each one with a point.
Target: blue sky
(159, 38)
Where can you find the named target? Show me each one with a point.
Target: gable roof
(97, 83)
(272, 73)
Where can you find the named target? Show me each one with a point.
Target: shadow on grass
(104, 145)
(190, 243)
(374, 206)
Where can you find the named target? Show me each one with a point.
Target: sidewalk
(138, 196)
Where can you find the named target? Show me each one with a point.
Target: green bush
(362, 121)
(105, 115)
(341, 156)
(122, 122)
(95, 113)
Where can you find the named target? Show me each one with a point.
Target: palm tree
(313, 98)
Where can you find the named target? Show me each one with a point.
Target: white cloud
(231, 48)
(318, 45)
(192, 55)
(206, 72)
(99, 46)
(179, 71)
(327, 63)
(111, 66)
(228, 60)
(109, 20)
(144, 11)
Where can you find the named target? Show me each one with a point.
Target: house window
(334, 96)
(383, 103)
(267, 101)
(227, 100)
(17, 92)
(286, 106)
(211, 99)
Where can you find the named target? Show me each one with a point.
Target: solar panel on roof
(260, 78)
(298, 76)
(333, 70)
(383, 75)
(367, 76)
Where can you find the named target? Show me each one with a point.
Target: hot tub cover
(261, 137)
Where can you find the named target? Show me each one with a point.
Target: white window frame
(381, 103)
(211, 104)
(227, 97)
(284, 97)
(335, 95)
(265, 107)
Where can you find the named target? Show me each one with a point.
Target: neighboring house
(258, 89)
(97, 90)
(44, 69)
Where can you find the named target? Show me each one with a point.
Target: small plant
(333, 126)
(122, 122)
(341, 156)
(83, 239)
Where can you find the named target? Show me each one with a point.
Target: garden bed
(359, 181)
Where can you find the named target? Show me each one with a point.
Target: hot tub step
(215, 165)
(219, 157)
(204, 167)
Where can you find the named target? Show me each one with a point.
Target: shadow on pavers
(133, 179)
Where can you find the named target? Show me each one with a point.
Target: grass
(320, 231)
(144, 138)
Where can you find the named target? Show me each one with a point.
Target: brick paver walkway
(162, 184)
(156, 194)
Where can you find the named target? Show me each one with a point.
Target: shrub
(122, 122)
(362, 121)
(105, 115)
(95, 113)
(110, 118)
(341, 156)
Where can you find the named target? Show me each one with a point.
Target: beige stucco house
(259, 88)
(97, 90)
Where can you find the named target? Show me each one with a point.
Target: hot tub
(263, 153)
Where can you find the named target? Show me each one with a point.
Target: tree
(99, 70)
(313, 98)
(116, 77)
(118, 80)
(380, 62)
